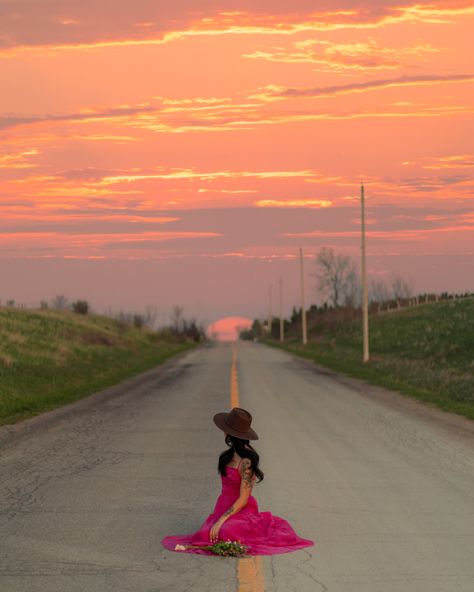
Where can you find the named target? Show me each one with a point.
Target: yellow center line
(249, 569)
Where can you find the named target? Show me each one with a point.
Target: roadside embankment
(426, 351)
(49, 358)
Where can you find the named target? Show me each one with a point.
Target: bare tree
(60, 302)
(151, 314)
(177, 318)
(378, 292)
(401, 288)
(352, 294)
(337, 277)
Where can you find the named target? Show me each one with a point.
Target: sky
(157, 153)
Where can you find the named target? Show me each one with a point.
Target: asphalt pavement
(382, 483)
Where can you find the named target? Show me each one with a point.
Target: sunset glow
(227, 329)
(166, 153)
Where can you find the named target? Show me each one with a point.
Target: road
(382, 483)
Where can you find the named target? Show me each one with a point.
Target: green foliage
(223, 548)
(51, 357)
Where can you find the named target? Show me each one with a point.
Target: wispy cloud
(418, 234)
(110, 114)
(357, 87)
(337, 57)
(165, 115)
(19, 160)
(205, 176)
(294, 203)
(72, 243)
(456, 161)
(89, 25)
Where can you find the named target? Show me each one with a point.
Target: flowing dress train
(263, 532)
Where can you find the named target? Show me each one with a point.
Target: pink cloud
(51, 23)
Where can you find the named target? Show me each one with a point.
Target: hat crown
(239, 419)
(236, 422)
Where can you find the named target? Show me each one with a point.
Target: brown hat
(236, 423)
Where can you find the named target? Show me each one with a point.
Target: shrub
(138, 321)
(80, 307)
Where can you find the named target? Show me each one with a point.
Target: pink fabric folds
(263, 532)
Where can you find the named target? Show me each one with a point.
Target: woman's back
(263, 533)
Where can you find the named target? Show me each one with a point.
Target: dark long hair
(238, 445)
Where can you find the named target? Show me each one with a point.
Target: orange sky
(153, 152)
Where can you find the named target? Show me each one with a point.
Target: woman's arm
(246, 485)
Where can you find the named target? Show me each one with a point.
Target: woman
(236, 516)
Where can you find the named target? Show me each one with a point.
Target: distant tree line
(179, 326)
(338, 283)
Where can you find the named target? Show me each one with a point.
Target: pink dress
(263, 532)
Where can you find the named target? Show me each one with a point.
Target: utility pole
(270, 310)
(282, 324)
(303, 310)
(365, 303)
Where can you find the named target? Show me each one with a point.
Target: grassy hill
(49, 358)
(426, 351)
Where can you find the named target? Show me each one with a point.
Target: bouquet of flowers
(224, 548)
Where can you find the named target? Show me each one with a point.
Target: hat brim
(219, 420)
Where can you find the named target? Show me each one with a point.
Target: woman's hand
(214, 532)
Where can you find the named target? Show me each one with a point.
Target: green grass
(426, 352)
(50, 358)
